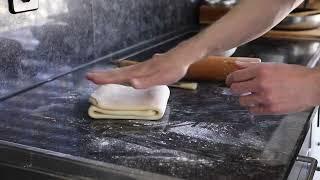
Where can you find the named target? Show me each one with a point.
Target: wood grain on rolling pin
(211, 68)
(215, 68)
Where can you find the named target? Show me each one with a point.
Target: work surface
(204, 134)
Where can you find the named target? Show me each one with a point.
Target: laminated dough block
(114, 101)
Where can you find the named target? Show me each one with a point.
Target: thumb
(145, 82)
(116, 76)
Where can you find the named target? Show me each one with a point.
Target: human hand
(275, 88)
(161, 69)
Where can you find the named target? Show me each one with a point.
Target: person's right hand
(164, 69)
(275, 88)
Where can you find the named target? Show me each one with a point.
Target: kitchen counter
(204, 134)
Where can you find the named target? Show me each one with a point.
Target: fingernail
(89, 75)
(249, 60)
(240, 62)
(246, 94)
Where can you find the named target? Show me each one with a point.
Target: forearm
(245, 22)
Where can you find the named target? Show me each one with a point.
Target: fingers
(145, 82)
(242, 74)
(115, 76)
(250, 100)
(258, 110)
(266, 110)
(245, 72)
(243, 63)
(257, 105)
(244, 87)
(127, 75)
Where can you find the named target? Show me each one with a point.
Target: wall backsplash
(137, 20)
(63, 34)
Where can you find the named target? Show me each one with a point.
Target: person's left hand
(275, 88)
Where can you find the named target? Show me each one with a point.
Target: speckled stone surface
(37, 45)
(121, 23)
(63, 34)
(204, 134)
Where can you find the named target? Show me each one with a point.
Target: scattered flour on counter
(226, 91)
(217, 134)
(163, 155)
(110, 144)
(194, 132)
(104, 143)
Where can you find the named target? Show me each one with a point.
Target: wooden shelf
(307, 34)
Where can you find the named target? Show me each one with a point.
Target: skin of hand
(245, 22)
(162, 69)
(275, 88)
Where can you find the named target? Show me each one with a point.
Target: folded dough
(114, 101)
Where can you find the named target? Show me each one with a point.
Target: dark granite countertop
(204, 134)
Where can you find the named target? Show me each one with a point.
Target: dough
(114, 101)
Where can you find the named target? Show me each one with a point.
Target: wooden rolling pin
(211, 68)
